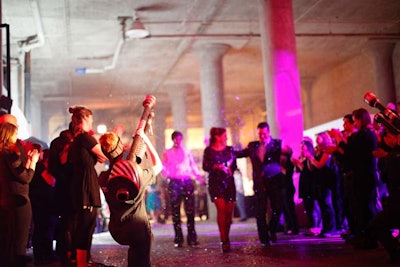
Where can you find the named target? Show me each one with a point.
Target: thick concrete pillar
(281, 74)
(212, 92)
(178, 95)
(159, 126)
(212, 85)
(236, 125)
(381, 53)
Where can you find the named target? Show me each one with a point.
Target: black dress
(220, 183)
(85, 190)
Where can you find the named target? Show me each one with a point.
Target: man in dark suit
(267, 178)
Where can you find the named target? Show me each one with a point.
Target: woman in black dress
(84, 153)
(220, 162)
(307, 191)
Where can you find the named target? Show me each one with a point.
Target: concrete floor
(293, 251)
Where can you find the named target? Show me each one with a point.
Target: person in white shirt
(179, 168)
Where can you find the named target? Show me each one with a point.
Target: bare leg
(81, 258)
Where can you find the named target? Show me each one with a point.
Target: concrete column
(212, 85)
(45, 116)
(381, 53)
(281, 74)
(159, 126)
(178, 95)
(235, 125)
(307, 86)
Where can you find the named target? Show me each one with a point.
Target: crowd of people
(347, 183)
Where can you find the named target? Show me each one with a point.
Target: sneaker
(178, 244)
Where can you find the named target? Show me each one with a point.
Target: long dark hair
(362, 115)
(309, 146)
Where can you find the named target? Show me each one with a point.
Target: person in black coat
(380, 228)
(42, 195)
(15, 205)
(265, 156)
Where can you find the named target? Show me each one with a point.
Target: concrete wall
(341, 89)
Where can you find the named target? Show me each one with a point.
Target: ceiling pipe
(106, 68)
(228, 35)
(36, 40)
(117, 51)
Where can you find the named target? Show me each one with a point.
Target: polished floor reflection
(293, 251)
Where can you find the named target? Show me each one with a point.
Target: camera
(388, 118)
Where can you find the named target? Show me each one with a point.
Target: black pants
(22, 223)
(337, 201)
(43, 234)
(380, 228)
(324, 198)
(312, 211)
(289, 209)
(182, 191)
(84, 223)
(271, 190)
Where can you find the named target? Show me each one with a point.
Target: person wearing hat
(124, 185)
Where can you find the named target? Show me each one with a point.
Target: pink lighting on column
(281, 75)
(288, 113)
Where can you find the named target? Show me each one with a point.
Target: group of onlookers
(52, 194)
(343, 188)
(342, 184)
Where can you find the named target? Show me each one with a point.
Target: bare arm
(195, 170)
(157, 164)
(164, 160)
(319, 163)
(297, 163)
(99, 153)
